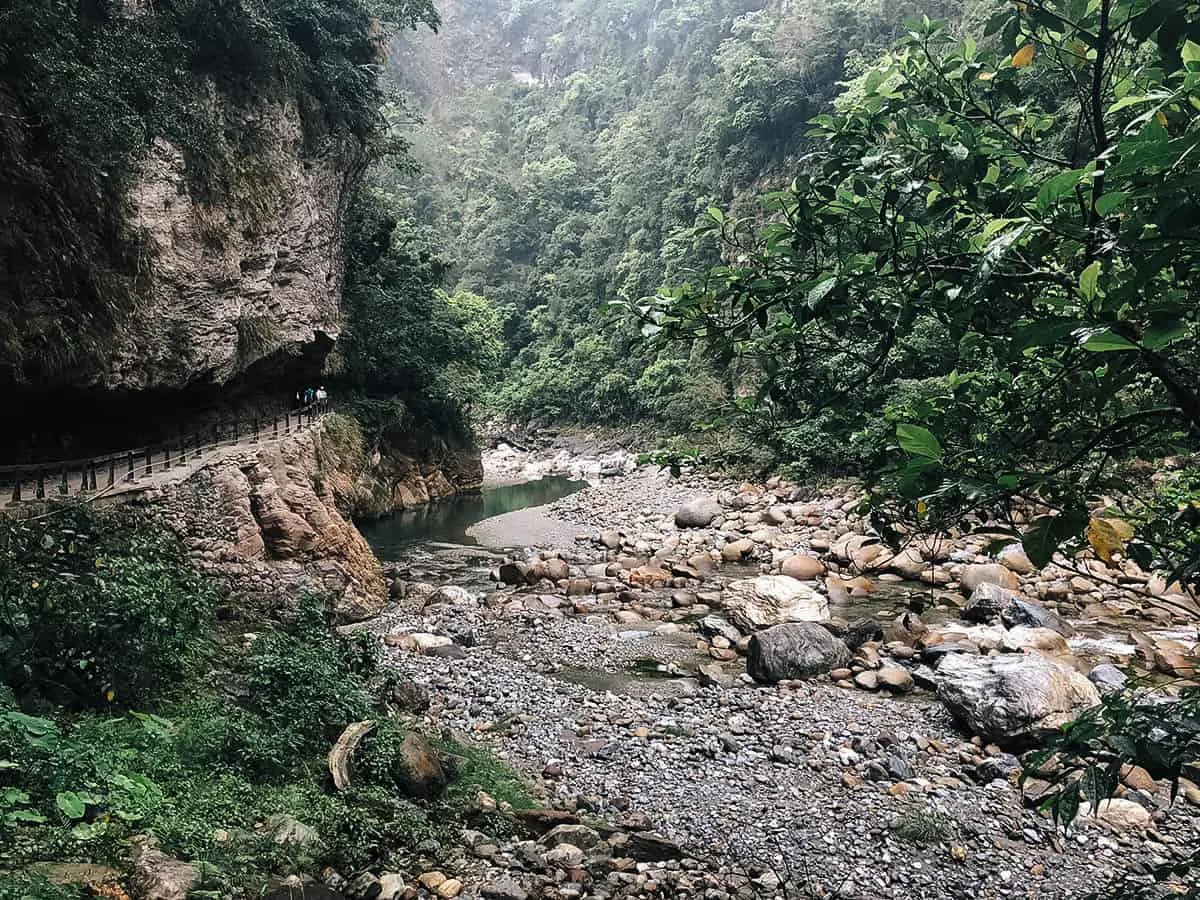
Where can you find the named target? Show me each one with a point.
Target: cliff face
(225, 268)
(250, 281)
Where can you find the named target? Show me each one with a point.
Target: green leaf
(1190, 53)
(1047, 533)
(820, 291)
(1106, 341)
(1054, 189)
(70, 804)
(1159, 334)
(1088, 279)
(918, 441)
(1108, 202)
(716, 215)
(993, 174)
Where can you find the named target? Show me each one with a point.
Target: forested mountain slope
(568, 147)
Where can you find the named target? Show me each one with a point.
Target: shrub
(96, 610)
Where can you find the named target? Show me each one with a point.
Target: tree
(1035, 197)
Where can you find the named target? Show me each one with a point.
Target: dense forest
(566, 151)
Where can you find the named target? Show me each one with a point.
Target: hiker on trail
(322, 398)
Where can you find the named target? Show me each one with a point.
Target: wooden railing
(116, 472)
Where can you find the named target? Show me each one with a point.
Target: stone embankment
(727, 690)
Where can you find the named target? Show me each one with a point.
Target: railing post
(112, 471)
(40, 492)
(255, 423)
(166, 456)
(196, 438)
(91, 470)
(287, 423)
(275, 428)
(64, 487)
(149, 461)
(235, 431)
(16, 495)
(129, 476)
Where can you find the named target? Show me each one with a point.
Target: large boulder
(987, 602)
(157, 876)
(420, 771)
(794, 650)
(1014, 557)
(802, 568)
(972, 576)
(698, 512)
(755, 603)
(1027, 613)
(1013, 698)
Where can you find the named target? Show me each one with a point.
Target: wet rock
(794, 650)
(645, 846)
(972, 576)
(988, 601)
(540, 820)
(772, 600)
(1107, 678)
(698, 513)
(1033, 615)
(515, 573)
(1021, 638)
(715, 626)
(861, 631)
(1011, 699)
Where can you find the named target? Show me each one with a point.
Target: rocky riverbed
(740, 693)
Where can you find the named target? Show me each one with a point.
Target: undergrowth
(212, 754)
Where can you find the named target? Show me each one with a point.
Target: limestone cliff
(250, 279)
(266, 525)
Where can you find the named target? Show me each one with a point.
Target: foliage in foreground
(205, 759)
(1137, 726)
(95, 612)
(1007, 225)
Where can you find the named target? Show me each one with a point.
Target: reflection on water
(448, 520)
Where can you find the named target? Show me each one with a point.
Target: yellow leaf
(986, 76)
(1162, 118)
(1108, 536)
(110, 695)
(922, 508)
(35, 585)
(1023, 57)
